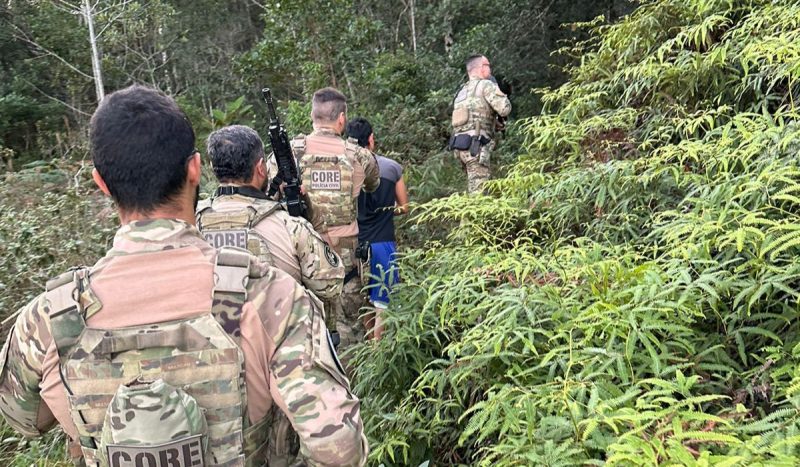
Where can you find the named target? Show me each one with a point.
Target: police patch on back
(221, 238)
(186, 452)
(326, 179)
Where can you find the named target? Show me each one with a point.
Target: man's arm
(22, 360)
(496, 99)
(401, 197)
(308, 384)
(322, 270)
(372, 175)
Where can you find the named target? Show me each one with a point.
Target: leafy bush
(51, 218)
(628, 294)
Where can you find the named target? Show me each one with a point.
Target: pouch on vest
(235, 228)
(460, 142)
(154, 424)
(460, 116)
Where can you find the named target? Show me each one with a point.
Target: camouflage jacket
(164, 267)
(475, 106)
(294, 246)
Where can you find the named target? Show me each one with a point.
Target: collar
(325, 132)
(244, 190)
(150, 235)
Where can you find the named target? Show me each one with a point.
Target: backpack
(162, 394)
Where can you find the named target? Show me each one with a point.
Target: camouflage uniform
(474, 110)
(262, 226)
(158, 273)
(334, 172)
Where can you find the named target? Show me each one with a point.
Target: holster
(476, 142)
(460, 142)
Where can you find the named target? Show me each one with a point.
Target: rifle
(505, 86)
(287, 166)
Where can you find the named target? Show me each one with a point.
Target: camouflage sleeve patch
(312, 391)
(496, 99)
(272, 166)
(372, 175)
(23, 355)
(321, 268)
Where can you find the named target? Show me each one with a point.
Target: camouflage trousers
(342, 313)
(477, 168)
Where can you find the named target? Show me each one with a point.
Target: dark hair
(472, 61)
(141, 142)
(327, 104)
(360, 129)
(234, 151)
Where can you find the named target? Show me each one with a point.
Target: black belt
(353, 273)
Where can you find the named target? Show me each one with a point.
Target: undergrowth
(628, 294)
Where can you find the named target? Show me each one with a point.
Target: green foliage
(628, 294)
(51, 218)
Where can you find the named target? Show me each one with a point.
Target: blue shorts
(383, 272)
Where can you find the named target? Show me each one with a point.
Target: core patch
(326, 179)
(186, 452)
(221, 238)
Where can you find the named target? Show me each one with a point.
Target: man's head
(360, 129)
(143, 152)
(329, 109)
(237, 156)
(478, 66)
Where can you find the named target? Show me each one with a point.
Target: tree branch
(21, 35)
(74, 109)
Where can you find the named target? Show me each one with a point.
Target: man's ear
(194, 170)
(371, 142)
(98, 180)
(261, 168)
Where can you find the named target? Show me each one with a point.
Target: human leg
(477, 173)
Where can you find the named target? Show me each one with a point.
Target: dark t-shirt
(376, 210)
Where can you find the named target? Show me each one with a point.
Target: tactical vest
(471, 112)
(327, 173)
(162, 394)
(236, 228)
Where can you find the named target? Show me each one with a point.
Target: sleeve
(309, 385)
(22, 358)
(372, 175)
(272, 166)
(396, 171)
(496, 99)
(272, 172)
(321, 268)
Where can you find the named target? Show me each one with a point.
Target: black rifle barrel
(287, 166)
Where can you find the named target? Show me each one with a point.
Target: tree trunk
(413, 28)
(97, 72)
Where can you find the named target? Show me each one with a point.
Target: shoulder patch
(462, 94)
(333, 260)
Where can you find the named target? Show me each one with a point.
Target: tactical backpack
(327, 175)
(236, 228)
(160, 394)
